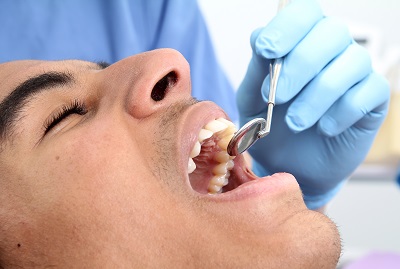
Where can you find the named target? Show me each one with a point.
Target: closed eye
(76, 107)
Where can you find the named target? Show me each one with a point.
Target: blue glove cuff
(318, 201)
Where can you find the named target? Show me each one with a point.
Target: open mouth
(211, 169)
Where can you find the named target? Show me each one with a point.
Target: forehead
(13, 73)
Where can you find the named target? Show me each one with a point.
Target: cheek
(99, 160)
(103, 177)
(86, 166)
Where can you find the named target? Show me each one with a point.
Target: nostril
(161, 87)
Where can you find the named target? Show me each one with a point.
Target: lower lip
(266, 186)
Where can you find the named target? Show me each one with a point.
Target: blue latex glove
(329, 101)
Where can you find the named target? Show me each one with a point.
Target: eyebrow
(14, 103)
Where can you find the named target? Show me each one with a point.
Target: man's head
(94, 172)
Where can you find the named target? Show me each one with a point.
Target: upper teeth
(224, 129)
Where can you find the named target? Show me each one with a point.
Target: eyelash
(76, 107)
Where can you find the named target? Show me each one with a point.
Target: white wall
(367, 211)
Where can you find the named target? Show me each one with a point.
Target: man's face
(94, 172)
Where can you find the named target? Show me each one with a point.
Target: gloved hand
(329, 101)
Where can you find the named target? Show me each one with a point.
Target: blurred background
(367, 210)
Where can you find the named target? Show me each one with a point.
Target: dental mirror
(257, 128)
(246, 136)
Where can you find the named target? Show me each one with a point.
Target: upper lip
(192, 120)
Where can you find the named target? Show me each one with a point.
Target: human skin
(110, 188)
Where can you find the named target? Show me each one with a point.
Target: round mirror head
(246, 136)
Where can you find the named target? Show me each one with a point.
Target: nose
(150, 81)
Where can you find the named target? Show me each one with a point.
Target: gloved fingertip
(327, 126)
(253, 38)
(263, 51)
(265, 88)
(295, 123)
(265, 46)
(279, 101)
(282, 94)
